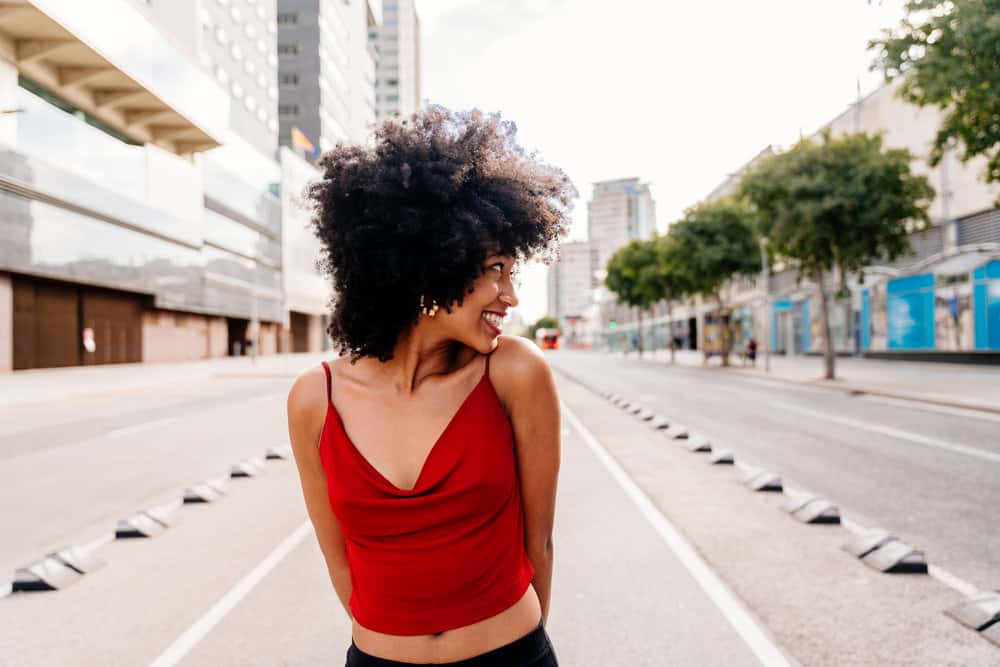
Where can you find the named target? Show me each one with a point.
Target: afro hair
(417, 212)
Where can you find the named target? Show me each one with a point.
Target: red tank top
(448, 552)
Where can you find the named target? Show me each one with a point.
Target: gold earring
(431, 310)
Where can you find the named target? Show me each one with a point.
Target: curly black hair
(417, 212)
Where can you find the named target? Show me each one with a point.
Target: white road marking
(752, 633)
(140, 427)
(966, 450)
(183, 644)
(931, 407)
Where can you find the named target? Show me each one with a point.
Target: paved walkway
(960, 385)
(46, 384)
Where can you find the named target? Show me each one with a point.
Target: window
(289, 79)
(221, 37)
(236, 52)
(392, 98)
(288, 18)
(288, 109)
(392, 82)
(250, 103)
(288, 49)
(237, 90)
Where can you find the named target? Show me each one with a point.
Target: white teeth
(494, 319)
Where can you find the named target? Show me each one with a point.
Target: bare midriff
(458, 643)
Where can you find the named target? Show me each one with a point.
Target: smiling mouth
(494, 321)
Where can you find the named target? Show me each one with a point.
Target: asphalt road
(241, 581)
(929, 475)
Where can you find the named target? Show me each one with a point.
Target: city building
(571, 284)
(234, 42)
(326, 74)
(141, 195)
(397, 41)
(619, 211)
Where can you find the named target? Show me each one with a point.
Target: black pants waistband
(523, 651)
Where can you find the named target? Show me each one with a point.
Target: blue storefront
(909, 313)
(986, 299)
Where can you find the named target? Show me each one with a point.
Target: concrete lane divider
(252, 467)
(808, 508)
(660, 422)
(698, 444)
(897, 557)
(764, 481)
(677, 432)
(55, 571)
(979, 612)
(722, 457)
(646, 415)
(635, 409)
(150, 522)
(867, 542)
(279, 452)
(201, 493)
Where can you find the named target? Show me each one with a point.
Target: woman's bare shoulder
(518, 367)
(307, 399)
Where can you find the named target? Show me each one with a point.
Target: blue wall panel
(910, 305)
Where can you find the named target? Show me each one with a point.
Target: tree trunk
(638, 333)
(724, 328)
(825, 322)
(670, 330)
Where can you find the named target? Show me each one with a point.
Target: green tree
(670, 278)
(715, 242)
(948, 54)
(632, 277)
(544, 322)
(842, 203)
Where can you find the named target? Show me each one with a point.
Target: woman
(428, 451)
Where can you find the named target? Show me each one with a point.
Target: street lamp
(765, 274)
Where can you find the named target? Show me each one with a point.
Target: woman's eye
(498, 266)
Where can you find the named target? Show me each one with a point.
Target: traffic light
(612, 324)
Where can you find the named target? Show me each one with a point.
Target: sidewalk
(957, 385)
(47, 384)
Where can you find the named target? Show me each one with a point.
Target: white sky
(675, 93)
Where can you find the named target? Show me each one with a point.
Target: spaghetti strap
(326, 369)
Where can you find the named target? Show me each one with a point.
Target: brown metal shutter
(46, 325)
(300, 331)
(116, 318)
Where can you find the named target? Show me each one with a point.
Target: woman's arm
(306, 411)
(529, 395)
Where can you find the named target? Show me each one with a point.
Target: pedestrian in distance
(428, 451)
(750, 351)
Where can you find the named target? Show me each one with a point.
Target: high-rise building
(619, 211)
(397, 40)
(571, 281)
(235, 44)
(326, 72)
